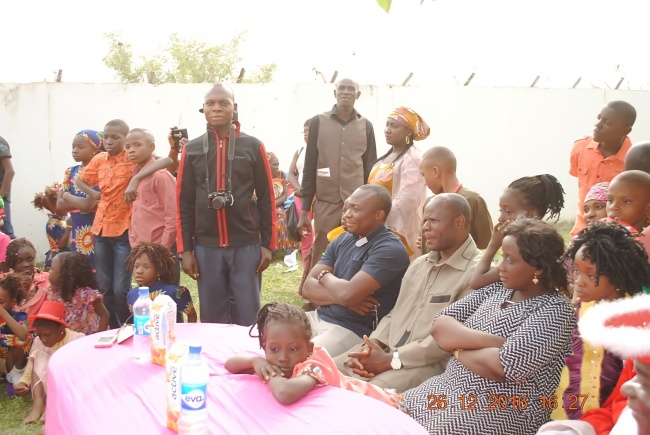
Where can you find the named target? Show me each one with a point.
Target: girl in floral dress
(72, 283)
(85, 145)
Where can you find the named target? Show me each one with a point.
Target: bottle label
(193, 396)
(142, 325)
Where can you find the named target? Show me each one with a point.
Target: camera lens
(218, 202)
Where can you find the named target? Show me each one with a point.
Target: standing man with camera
(226, 214)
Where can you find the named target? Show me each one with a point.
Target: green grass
(12, 413)
(277, 286)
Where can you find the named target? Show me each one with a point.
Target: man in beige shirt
(401, 352)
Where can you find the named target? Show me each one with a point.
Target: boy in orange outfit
(599, 158)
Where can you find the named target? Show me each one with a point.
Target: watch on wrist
(396, 363)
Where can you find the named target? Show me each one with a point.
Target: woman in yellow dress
(399, 171)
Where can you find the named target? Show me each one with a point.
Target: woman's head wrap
(598, 192)
(411, 120)
(94, 137)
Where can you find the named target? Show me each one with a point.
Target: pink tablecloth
(104, 391)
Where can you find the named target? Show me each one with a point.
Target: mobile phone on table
(124, 333)
(177, 135)
(106, 341)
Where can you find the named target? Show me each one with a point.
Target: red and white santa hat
(622, 327)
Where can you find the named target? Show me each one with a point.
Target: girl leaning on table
(292, 365)
(51, 334)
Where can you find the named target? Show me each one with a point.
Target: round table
(105, 391)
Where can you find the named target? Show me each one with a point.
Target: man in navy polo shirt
(357, 281)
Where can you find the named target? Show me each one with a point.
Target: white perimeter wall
(497, 134)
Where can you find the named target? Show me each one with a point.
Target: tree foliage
(181, 61)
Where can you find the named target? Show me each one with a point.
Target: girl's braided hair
(76, 272)
(163, 260)
(281, 312)
(45, 198)
(542, 192)
(616, 253)
(13, 248)
(15, 284)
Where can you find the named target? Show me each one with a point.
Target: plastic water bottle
(142, 324)
(194, 385)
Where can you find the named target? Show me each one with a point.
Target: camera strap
(231, 157)
(206, 147)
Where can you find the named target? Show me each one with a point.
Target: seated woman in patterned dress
(508, 340)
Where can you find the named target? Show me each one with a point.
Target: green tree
(181, 61)
(263, 75)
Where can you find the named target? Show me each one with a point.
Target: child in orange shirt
(598, 158)
(113, 172)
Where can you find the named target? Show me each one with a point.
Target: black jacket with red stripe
(250, 220)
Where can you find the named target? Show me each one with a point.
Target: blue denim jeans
(229, 289)
(112, 275)
(7, 228)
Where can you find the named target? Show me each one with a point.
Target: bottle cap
(395, 354)
(195, 349)
(143, 291)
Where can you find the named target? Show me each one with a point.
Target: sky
(442, 42)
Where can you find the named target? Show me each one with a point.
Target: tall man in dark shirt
(341, 151)
(227, 248)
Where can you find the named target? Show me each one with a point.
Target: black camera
(221, 199)
(177, 134)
